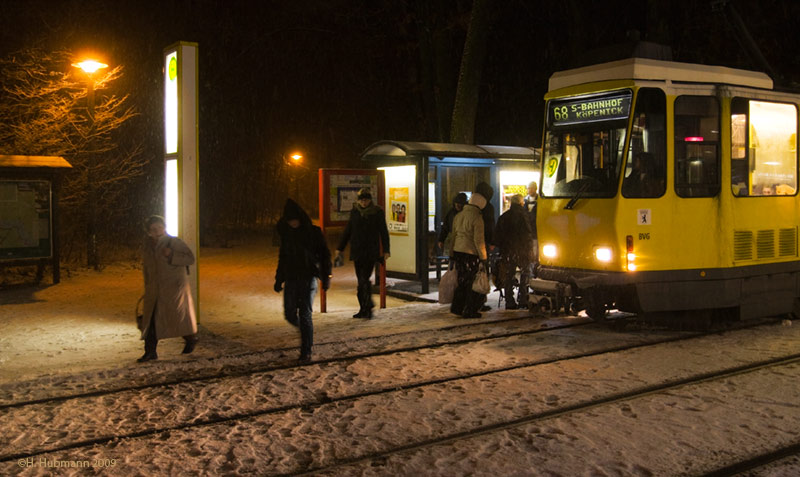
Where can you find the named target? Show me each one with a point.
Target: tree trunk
(462, 129)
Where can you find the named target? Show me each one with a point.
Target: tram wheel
(596, 311)
(545, 305)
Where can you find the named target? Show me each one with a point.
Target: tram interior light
(603, 254)
(549, 250)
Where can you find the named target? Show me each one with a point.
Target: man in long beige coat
(169, 310)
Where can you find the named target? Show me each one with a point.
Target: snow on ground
(79, 336)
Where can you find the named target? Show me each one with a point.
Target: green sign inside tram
(589, 109)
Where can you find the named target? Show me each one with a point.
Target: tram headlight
(549, 250)
(602, 254)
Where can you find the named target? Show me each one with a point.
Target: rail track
(360, 392)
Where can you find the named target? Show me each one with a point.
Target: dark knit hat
(461, 198)
(485, 190)
(364, 193)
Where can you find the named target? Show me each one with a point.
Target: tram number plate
(645, 236)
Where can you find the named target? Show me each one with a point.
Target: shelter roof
(436, 149)
(53, 162)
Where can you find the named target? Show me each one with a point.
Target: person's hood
(478, 200)
(292, 210)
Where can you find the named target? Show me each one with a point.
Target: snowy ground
(413, 392)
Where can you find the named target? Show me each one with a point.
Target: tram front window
(582, 162)
(584, 145)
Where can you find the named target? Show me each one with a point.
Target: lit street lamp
(296, 158)
(90, 67)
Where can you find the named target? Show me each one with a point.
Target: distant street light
(90, 67)
(296, 158)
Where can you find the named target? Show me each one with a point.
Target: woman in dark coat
(303, 257)
(369, 244)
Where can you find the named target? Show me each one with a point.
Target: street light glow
(90, 66)
(296, 156)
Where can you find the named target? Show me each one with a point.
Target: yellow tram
(668, 187)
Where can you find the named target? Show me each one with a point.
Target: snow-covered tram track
(93, 384)
(318, 402)
(381, 460)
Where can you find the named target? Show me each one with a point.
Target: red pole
(323, 298)
(382, 271)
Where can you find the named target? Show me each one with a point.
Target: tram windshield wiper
(577, 195)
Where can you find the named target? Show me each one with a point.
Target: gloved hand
(326, 282)
(278, 287)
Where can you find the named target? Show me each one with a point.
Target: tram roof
(657, 70)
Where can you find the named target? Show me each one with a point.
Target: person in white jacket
(469, 250)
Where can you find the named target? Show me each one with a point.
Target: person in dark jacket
(369, 244)
(303, 257)
(447, 224)
(516, 244)
(530, 205)
(487, 192)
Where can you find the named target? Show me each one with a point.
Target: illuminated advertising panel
(171, 103)
(401, 203)
(171, 197)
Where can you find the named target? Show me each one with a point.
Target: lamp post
(90, 67)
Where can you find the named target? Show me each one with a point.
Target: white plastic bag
(447, 286)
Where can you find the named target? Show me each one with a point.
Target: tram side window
(646, 170)
(763, 148)
(697, 127)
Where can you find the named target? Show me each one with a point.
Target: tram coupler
(549, 296)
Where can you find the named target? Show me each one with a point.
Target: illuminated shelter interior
(29, 211)
(422, 178)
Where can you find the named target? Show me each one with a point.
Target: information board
(339, 192)
(25, 218)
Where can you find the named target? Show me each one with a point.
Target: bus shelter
(421, 180)
(29, 211)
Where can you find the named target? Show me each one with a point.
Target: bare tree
(43, 111)
(465, 110)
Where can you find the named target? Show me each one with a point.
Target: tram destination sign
(589, 109)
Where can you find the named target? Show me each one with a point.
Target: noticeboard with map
(25, 213)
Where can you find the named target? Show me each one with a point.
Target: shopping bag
(481, 282)
(447, 286)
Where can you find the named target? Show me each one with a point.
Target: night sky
(331, 77)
